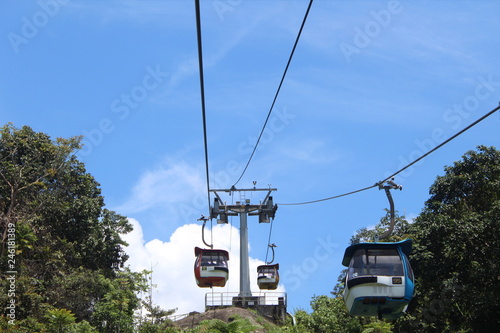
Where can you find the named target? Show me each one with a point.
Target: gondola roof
(405, 246)
(277, 266)
(198, 250)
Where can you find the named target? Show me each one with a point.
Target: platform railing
(222, 299)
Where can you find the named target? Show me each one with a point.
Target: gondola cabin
(268, 276)
(379, 279)
(210, 267)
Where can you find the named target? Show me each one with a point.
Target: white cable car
(268, 276)
(210, 267)
(379, 279)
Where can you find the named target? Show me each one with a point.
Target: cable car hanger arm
(204, 219)
(391, 185)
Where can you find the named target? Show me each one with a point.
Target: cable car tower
(211, 269)
(264, 210)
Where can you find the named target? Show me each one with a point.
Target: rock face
(225, 314)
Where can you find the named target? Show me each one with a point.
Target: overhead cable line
(277, 91)
(329, 198)
(444, 142)
(405, 167)
(202, 93)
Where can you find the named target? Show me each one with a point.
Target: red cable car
(210, 267)
(268, 276)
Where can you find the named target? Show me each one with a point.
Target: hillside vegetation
(63, 266)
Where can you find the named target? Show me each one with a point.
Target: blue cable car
(379, 279)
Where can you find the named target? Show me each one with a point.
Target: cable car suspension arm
(390, 185)
(272, 246)
(204, 219)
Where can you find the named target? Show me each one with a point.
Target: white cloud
(173, 263)
(172, 183)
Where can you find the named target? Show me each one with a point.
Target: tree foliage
(62, 243)
(330, 315)
(51, 198)
(456, 255)
(237, 324)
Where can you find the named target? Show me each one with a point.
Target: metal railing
(213, 299)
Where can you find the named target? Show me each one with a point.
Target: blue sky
(372, 86)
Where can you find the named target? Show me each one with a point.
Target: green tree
(156, 319)
(59, 320)
(115, 310)
(67, 249)
(378, 326)
(46, 189)
(456, 253)
(329, 315)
